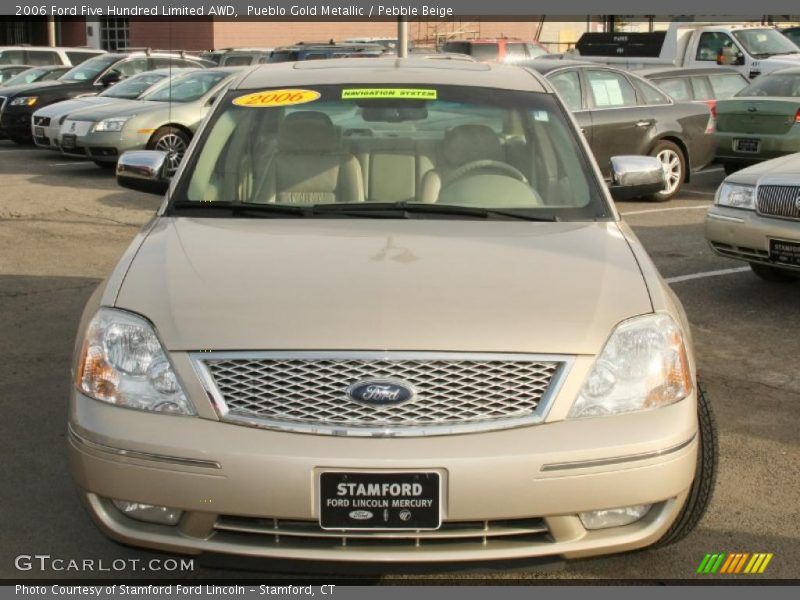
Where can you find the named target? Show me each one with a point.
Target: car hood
(785, 166)
(782, 59)
(499, 286)
(126, 108)
(68, 106)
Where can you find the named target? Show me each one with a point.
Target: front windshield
(765, 42)
(90, 69)
(134, 87)
(356, 146)
(187, 88)
(780, 85)
(24, 77)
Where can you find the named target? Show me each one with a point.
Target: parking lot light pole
(402, 37)
(51, 31)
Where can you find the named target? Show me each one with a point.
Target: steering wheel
(495, 165)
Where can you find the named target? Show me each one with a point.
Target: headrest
(467, 143)
(308, 131)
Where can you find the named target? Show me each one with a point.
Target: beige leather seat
(462, 145)
(310, 165)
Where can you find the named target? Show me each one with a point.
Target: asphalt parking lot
(64, 223)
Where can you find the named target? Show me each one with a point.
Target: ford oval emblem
(380, 392)
(360, 515)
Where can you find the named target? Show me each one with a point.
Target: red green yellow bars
(734, 563)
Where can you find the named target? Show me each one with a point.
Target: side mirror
(144, 171)
(110, 79)
(636, 176)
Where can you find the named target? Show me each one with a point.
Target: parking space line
(648, 211)
(704, 274)
(70, 164)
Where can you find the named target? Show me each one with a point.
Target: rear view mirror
(635, 176)
(144, 171)
(110, 78)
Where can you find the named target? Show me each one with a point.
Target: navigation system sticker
(390, 93)
(269, 98)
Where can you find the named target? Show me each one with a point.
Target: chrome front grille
(779, 201)
(308, 391)
(2, 103)
(288, 533)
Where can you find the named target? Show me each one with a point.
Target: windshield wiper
(243, 209)
(405, 209)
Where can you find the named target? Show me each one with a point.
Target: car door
(620, 122)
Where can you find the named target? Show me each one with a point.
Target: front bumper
(745, 235)
(15, 122)
(106, 146)
(265, 483)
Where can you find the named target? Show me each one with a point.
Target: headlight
(113, 124)
(122, 362)
(24, 101)
(736, 196)
(643, 365)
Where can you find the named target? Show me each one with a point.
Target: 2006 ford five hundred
(387, 312)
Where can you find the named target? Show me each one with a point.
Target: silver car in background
(47, 121)
(165, 119)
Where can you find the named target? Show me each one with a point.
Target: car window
(90, 69)
(701, 88)
(42, 57)
(535, 50)
(711, 44)
(21, 78)
(726, 85)
(238, 60)
(134, 87)
(76, 57)
(187, 88)
(650, 93)
(515, 51)
(610, 89)
(457, 47)
(762, 43)
(131, 67)
(12, 57)
(484, 51)
(568, 86)
(781, 85)
(676, 87)
(486, 148)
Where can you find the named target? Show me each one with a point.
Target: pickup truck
(752, 50)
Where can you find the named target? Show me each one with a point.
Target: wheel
(705, 477)
(769, 273)
(105, 165)
(730, 168)
(174, 142)
(674, 165)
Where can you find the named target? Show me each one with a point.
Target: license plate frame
(747, 145)
(69, 141)
(38, 132)
(380, 512)
(784, 252)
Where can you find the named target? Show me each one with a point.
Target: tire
(774, 274)
(702, 489)
(105, 165)
(674, 162)
(174, 142)
(731, 168)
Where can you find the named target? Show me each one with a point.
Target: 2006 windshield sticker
(277, 98)
(393, 93)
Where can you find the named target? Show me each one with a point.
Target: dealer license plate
(747, 145)
(38, 132)
(396, 501)
(786, 253)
